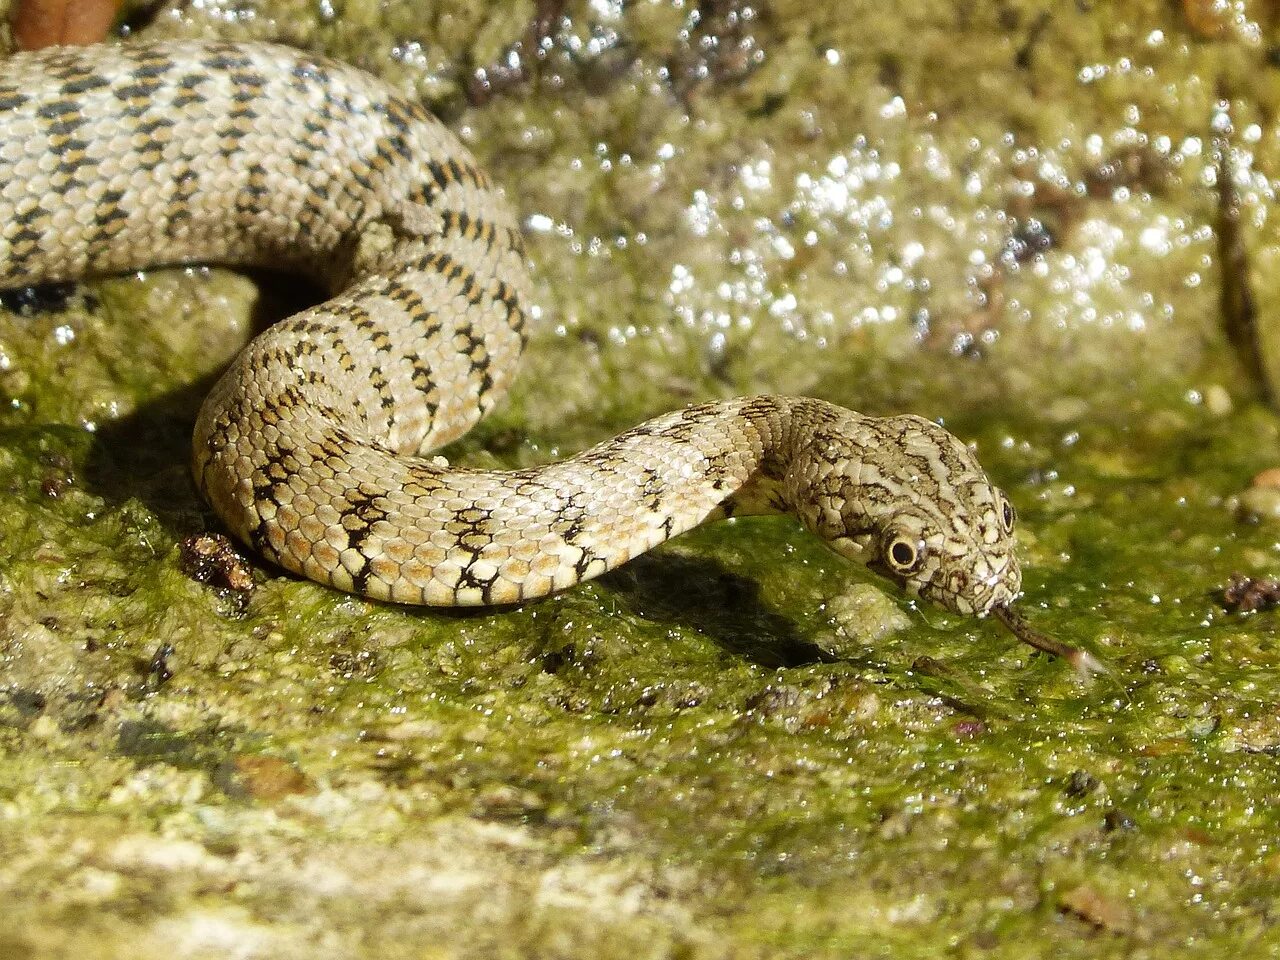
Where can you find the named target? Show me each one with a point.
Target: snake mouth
(1017, 624)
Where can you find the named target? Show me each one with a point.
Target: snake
(313, 448)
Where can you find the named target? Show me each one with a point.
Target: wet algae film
(1050, 225)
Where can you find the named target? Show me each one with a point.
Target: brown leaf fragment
(1249, 594)
(213, 559)
(269, 778)
(1208, 19)
(1092, 907)
(47, 23)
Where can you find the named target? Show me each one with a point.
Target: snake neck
(762, 441)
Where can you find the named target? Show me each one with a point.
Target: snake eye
(903, 554)
(1007, 514)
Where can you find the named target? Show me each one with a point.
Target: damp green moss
(1001, 215)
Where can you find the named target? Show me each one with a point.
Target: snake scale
(311, 448)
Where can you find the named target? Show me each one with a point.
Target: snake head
(910, 501)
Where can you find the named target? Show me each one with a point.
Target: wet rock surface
(1005, 215)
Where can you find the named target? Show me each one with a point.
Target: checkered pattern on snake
(310, 448)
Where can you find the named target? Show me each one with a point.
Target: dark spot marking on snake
(142, 90)
(574, 528)
(390, 147)
(507, 297)
(108, 212)
(357, 176)
(177, 211)
(185, 93)
(152, 69)
(23, 247)
(61, 110)
(79, 85)
(584, 562)
(441, 178)
(651, 489)
(381, 341)
(717, 468)
(468, 289)
(253, 191)
(467, 579)
(153, 124)
(226, 60)
(358, 520)
(136, 109)
(248, 85)
(63, 146)
(360, 579)
(311, 72)
(12, 100)
(470, 228)
(409, 298)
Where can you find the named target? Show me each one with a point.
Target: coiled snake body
(310, 448)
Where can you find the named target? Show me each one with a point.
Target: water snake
(311, 447)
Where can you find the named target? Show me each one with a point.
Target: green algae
(736, 746)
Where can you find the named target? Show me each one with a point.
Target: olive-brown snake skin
(310, 448)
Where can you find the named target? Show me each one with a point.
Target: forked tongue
(1084, 661)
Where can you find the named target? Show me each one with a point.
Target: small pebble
(43, 727)
(1267, 478)
(270, 778)
(1217, 401)
(1261, 501)
(865, 613)
(1096, 908)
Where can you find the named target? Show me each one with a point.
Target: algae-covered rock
(1004, 215)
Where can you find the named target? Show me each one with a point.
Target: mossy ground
(1002, 214)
